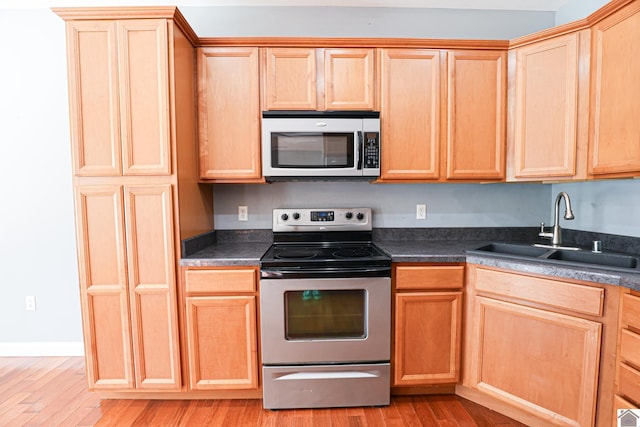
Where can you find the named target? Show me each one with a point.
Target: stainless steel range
(325, 307)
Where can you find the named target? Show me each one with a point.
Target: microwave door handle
(359, 154)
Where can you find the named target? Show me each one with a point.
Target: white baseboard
(41, 349)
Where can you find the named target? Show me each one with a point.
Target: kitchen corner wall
(608, 206)
(38, 254)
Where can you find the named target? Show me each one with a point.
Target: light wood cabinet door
(546, 109)
(427, 338)
(541, 362)
(615, 102)
(476, 115)
(319, 79)
(290, 79)
(222, 342)
(229, 113)
(349, 79)
(152, 285)
(410, 114)
(93, 98)
(103, 287)
(118, 85)
(144, 96)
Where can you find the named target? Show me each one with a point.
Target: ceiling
(537, 5)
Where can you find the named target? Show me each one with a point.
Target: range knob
(284, 217)
(349, 215)
(296, 215)
(360, 216)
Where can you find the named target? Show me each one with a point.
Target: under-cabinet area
(539, 348)
(427, 324)
(220, 328)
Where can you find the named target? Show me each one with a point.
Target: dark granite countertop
(454, 251)
(232, 248)
(226, 248)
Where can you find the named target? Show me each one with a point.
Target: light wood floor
(52, 391)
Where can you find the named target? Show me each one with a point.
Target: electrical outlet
(243, 213)
(30, 303)
(421, 211)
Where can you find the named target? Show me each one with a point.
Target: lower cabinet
(127, 286)
(535, 345)
(221, 328)
(627, 390)
(427, 324)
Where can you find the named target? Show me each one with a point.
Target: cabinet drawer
(619, 403)
(429, 277)
(569, 296)
(629, 383)
(622, 403)
(232, 280)
(631, 310)
(630, 347)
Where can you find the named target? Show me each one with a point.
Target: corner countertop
(410, 246)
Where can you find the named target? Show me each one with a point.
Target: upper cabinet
(476, 115)
(349, 79)
(410, 96)
(119, 97)
(614, 147)
(318, 79)
(549, 104)
(229, 114)
(443, 115)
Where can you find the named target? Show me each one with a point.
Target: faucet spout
(568, 213)
(556, 234)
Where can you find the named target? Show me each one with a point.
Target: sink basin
(597, 259)
(513, 249)
(576, 256)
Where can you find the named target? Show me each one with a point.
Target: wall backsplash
(609, 206)
(394, 205)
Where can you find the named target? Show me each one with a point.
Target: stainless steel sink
(574, 257)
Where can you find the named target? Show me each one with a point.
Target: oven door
(342, 320)
(304, 147)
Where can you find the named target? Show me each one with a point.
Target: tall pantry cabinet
(134, 147)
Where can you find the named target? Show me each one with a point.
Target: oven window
(312, 150)
(325, 314)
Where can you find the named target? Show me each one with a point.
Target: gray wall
(37, 233)
(609, 206)
(37, 250)
(364, 22)
(577, 9)
(394, 205)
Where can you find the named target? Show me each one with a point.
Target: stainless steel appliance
(320, 144)
(325, 309)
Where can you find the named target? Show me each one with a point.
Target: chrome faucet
(556, 234)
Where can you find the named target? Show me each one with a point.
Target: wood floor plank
(42, 392)
(423, 411)
(198, 413)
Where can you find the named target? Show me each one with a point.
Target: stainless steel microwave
(320, 144)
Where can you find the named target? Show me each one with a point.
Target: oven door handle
(307, 272)
(327, 375)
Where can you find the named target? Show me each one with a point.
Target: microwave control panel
(371, 148)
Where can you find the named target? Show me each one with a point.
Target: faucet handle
(542, 227)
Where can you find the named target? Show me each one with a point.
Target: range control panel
(322, 219)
